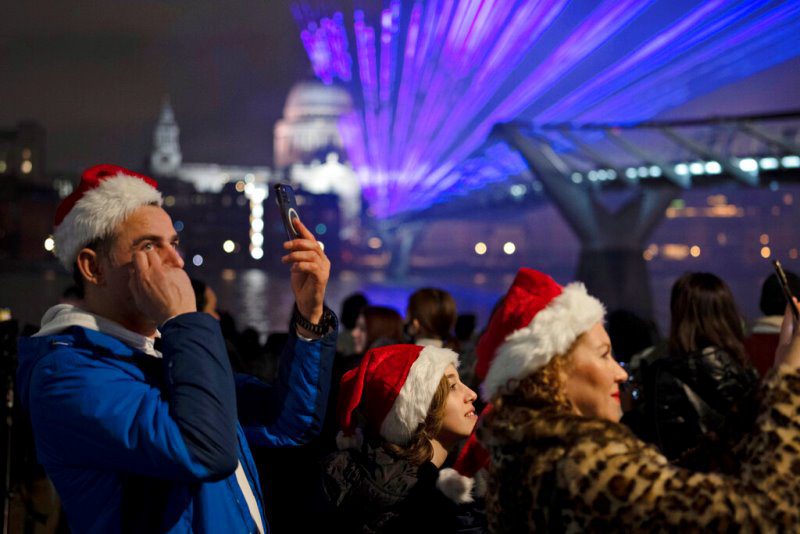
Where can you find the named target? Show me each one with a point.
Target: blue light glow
(434, 77)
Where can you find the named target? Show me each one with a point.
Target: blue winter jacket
(142, 444)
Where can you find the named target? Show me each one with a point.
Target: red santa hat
(106, 196)
(537, 320)
(392, 388)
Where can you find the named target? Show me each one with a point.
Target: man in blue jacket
(137, 438)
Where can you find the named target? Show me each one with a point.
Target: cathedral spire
(166, 156)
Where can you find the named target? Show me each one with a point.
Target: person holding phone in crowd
(561, 462)
(131, 395)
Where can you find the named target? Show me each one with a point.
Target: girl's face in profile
(459, 417)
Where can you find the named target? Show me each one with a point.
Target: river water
(264, 300)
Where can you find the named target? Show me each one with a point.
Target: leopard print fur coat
(553, 470)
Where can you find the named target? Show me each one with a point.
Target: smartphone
(284, 196)
(785, 287)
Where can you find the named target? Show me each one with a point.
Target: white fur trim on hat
(455, 486)
(98, 213)
(552, 331)
(414, 400)
(353, 441)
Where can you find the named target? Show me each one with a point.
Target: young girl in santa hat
(401, 412)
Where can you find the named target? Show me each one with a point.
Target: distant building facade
(28, 195)
(309, 147)
(309, 151)
(22, 152)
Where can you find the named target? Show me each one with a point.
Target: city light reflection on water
(264, 300)
(259, 299)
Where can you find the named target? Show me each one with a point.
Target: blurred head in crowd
(465, 326)
(351, 307)
(704, 314)
(377, 323)
(205, 298)
(431, 314)
(773, 302)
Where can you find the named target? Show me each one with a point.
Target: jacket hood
(67, 326)
(63, 316)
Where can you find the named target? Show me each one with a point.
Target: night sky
(94, 74)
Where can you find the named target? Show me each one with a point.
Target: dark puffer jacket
(691, 398)
(372, 490)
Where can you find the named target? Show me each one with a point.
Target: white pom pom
(481, 483)
(349, 442)
(455, 486)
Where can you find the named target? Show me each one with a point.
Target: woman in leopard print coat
(561, 462)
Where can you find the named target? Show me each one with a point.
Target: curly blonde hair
(543, 388)
(419, 450)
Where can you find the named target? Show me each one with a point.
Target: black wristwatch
(324, 326)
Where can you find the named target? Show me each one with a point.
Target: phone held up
(284, 196)
(785, 287)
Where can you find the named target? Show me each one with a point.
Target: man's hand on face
(160, 291)
(310, 271)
